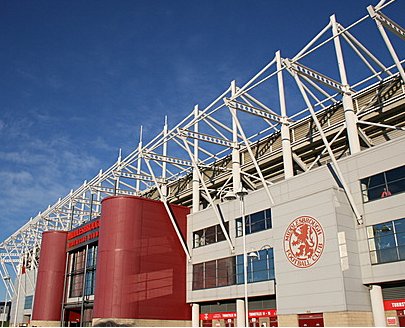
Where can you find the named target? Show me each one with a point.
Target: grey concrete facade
(339, 281)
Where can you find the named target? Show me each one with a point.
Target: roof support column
(348, 107)
(236, 181)
(285, 129)
(139, 164)
(164, 164)
(196, 180)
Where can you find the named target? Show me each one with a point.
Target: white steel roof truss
(349, 196)
(209, 198)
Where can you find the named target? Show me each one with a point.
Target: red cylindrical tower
(140, 264)
(51, 275)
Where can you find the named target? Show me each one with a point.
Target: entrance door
(310, 320)
(401, 318)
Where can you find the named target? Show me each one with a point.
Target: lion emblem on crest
(304, 241)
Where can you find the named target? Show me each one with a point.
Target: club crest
(304, 241)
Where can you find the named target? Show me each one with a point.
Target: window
(78, 263)
(229, 271)
(383, 184)
(216, 273)
(260, 268)
(76, 277)
(28, 302)
(209, 235)
(387, 241)
(254, 222)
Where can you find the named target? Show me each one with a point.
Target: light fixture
(254, 254)
(241, 192)
(230, 195)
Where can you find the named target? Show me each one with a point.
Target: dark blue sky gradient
(78, 78)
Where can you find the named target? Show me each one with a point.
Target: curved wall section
(51, 273)
(140, 264)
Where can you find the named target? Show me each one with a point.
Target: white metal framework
(246, 137)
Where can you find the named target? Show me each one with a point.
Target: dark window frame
(228, 271)
(209, 235)
(252, 223)
(383, 184)
(386, 241)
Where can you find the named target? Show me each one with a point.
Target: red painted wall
(141, 266)
(51, 272)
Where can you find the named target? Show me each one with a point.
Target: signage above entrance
(83, 235)
(232, 315)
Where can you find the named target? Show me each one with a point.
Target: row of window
(383, 184)
(387, 241)
(77, 272)
(255, 222)
(209, 235)
(230, 270)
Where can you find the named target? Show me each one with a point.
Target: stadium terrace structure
(258, 209)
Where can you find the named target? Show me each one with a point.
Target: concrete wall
(27, 287)
(337, 281)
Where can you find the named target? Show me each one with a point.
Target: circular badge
(304, 241)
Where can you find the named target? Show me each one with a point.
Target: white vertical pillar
(139, 164)
(196, 181)
(285, 130)
(377, 306)
(240, 313)
(348, 107)
(235, 152)
(164, 164)
(195, 315)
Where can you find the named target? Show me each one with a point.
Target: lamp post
(241, 194)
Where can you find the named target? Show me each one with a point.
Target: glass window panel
(198, 276)
(239, 227)
(268, 223)
(401, 238)
(239, 269)
(383, 229)
(257, 226)
(257, 217)
(224, 272)
(210, 274)
(399, 225)
(387, 255)
(220, 234)
(401, 252)
(396, 187)
(27, 302)
(210, 235)
(376, 180)
(376, 192)
(384, 242)
(197, 237)
(395, 174)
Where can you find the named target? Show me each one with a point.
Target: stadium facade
(257, 219)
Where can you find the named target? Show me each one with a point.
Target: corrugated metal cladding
(393, 292)
(230, 306)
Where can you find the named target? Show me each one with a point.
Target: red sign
(304, 241)
(391, 321)
(394, 305)
(83, 234)
(232, 315)
(82, 230)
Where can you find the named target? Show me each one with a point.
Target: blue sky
(78, 78)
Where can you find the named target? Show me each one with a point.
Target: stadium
(251, 211)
